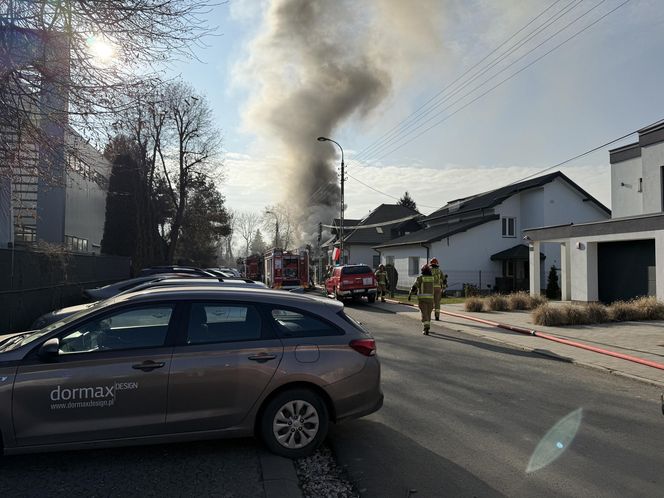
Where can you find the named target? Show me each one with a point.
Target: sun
(101, 50)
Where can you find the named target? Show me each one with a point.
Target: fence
(456, 279)
(33, 283)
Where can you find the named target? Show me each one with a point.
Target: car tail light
(367, 347)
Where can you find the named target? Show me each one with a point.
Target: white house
(478, 239)
(623, 257)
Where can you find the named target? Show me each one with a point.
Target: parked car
(189, 270)
(111, 290)
(225, 271)
(353, 281)
(159, 281)
(188, 363)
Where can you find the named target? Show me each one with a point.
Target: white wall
(360, 254)
(626, 200)
(401, 255)
(652, 158)
(464, 255)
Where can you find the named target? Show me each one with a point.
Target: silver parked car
(158, 281)
(186, 363)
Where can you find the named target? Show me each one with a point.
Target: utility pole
(341, 207)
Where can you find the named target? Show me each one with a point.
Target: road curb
(279, 477)
(539, 351)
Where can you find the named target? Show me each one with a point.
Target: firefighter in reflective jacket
(423, 287)
(383, 282)
(438, 287)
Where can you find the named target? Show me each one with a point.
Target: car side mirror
(49, 350)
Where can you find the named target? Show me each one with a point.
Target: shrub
(576, 315)
(649, 308)
(474, 304)
(545, 314)
(537, 300)
(470, 290)
(519, 301)
(598, 313)
(552, 287)
(624, 311)
(496, 302)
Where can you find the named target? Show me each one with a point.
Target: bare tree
(285, 217)
(66, 63)
(188, 148)
(247, 223)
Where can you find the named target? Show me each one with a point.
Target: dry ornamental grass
(474, 304)
(519, 301)
(496, 302)
(548, 315)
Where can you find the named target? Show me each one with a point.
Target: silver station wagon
(186, 363)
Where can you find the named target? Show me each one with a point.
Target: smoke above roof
(313, 66)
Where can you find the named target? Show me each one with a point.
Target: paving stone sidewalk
(640, 339)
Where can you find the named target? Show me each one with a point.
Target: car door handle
(148, 366)
(263, 357)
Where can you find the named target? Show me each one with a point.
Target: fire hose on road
(542, 335)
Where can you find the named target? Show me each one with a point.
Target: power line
(385, 193)
(573, 158)
(418, 114)
(500, 83)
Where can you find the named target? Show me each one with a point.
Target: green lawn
(413, 300)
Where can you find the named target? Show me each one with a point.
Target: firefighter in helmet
(423, 287)
(383, 282)
(438, 286)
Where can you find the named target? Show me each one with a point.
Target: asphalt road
(224, 468)
(464, 417)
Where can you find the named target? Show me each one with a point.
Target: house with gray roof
(478, 238)
(386, 222)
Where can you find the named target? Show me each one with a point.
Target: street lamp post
(276, 228)
(341, 207)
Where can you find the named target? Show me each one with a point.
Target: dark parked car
(155, 281)
(189, 270)
(188, 363)
(99, 293)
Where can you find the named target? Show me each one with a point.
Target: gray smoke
(316, 64)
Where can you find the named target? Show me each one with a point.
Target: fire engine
(286, 269)
(254, 267)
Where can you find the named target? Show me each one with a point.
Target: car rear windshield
(355, 270)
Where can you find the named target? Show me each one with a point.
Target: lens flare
(556, 441)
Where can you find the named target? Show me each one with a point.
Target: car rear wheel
(294, 423)
(338, 296)
(371, 298)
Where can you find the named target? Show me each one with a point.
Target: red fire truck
(287, 269)
(254, 267)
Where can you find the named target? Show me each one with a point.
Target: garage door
(624, 268)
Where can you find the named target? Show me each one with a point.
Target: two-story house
(478, 239)
(623, 257)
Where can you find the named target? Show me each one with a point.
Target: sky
(282, 72)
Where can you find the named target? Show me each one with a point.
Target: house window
(413, 265)
(508, 268)
(509, 227)
(376, 260)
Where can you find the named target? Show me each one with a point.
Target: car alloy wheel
(294, 423)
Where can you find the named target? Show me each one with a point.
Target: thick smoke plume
(316, 64)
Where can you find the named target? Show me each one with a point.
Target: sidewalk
(641, 339)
